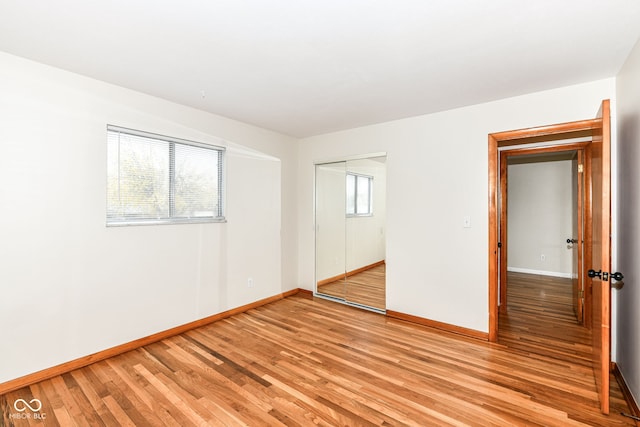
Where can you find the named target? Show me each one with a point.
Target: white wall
(628, 227)
(437, 173)
(69, 285)
(540, 215)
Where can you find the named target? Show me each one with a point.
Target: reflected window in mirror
(359, 190)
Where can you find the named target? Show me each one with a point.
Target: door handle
(593, 273)
(570, 241)
(617, 276)
(605, 276)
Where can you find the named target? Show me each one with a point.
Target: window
(359, 189)
(153, 179)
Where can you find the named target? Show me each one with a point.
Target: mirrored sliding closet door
(350, 231)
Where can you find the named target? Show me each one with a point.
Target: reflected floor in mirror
(365, 288)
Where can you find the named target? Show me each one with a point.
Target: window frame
(172, 219)
(355, 198)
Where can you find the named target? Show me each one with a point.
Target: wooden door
(578, 235)
(600, 154)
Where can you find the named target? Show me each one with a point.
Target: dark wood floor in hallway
(304, 361)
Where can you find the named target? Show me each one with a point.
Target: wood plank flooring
(540, 319)
(366, 288)
(312, 362)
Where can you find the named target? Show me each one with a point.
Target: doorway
(597, 239)
(542, 218)
(546, 139)
(541, 270)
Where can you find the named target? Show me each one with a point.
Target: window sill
(128, 223)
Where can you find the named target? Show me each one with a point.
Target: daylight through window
(359, 188)
(158, 179)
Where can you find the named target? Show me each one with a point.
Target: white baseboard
(540, 272)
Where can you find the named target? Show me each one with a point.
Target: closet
(350, 211)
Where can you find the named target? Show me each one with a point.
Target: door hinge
(580, 168)
(580, 294)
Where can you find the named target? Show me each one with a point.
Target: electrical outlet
(249, 282)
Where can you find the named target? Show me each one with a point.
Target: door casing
(521, 137)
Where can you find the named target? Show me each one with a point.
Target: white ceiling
(307, 67)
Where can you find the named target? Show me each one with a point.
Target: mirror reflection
(350, 231)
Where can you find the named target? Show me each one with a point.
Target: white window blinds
(158, 179)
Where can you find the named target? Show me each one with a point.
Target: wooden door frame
(579, 282)
(543, 134)
(505, 155)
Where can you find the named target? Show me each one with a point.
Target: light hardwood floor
(540, 319)
(304, 361)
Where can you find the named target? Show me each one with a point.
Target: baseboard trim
(471, 333)
(626, 392)
(539, 272)
(350, 273)
(45, 374)
(305, 293)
